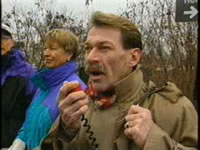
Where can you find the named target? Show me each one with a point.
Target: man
(17, 90)
(122, 112)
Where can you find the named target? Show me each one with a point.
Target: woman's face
(54, 55)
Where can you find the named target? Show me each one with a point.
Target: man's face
(6, 44)
(106, 60)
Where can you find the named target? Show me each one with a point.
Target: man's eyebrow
(99, 43)
(105, 42)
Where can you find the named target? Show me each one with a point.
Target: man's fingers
(137, 112)
(71, 99)
(81, 111)
(132, 131)
(74, 117)
(130, 124)
(131, 117)
(66, 88)
(79, 104)
(71, 108)
(134, 109)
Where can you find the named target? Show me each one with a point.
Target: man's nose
(93, 56)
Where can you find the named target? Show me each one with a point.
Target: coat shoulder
(169, 99)
(170, 92)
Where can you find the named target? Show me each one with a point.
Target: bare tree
(169, 47)
(32, 25)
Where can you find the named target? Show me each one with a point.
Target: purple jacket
(13, 64)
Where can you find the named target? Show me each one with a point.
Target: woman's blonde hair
(66, 39)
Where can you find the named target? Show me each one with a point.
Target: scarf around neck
(47, 78)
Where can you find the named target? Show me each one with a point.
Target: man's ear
(135, 54)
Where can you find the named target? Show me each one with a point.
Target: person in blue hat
(16, 88)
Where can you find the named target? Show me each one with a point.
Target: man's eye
(104, 48)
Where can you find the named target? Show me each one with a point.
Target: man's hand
(72, 105)
(138, 124)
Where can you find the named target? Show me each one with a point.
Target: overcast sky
(77, 6)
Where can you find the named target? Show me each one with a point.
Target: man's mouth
(94, 75)
(95, 71)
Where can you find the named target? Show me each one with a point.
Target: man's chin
(99, 88)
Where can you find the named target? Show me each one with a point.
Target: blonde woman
(60, 49)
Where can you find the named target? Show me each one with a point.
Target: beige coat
(174, 115)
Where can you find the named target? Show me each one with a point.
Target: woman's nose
(46, 52)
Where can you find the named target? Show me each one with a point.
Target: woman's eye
(52, 48)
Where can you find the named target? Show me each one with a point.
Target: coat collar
(130, 85)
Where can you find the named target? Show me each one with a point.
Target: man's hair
(66, 39)
(130, 35)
